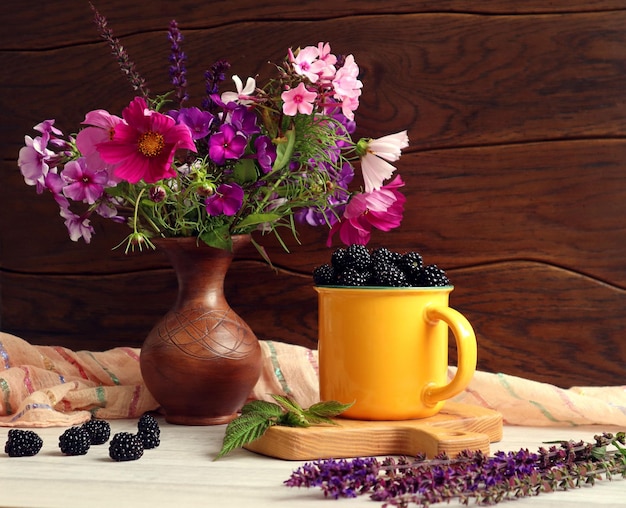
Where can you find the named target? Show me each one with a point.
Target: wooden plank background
(515, 176)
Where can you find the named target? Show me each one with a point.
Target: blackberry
(337, 259)
(431, 276)
(147, 422)
(324, 275)
(149, 431)
(382, 256)
(352, 277)
(75, 441)
(22, 443)
(391, 276)
(99, 431)
(125, 446)
(357, 257)
(411, 263)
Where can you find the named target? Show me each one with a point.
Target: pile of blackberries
(356, 265)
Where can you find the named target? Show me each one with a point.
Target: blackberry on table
(75, 441)
(99, 431)
(432, 276)
(22, 443)
(352, 277)
(324, 275)
(125, 446)
(149, 431)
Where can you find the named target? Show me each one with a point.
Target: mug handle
(466, 351)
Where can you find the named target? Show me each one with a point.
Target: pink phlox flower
(226, 200)
(144, 145)
(227, 143)
(33, 161)
(298, 100)
(381, 209)
(82, 183)
(307, 64)
(77, 226)
(47, 127)
(346, 83)
(243, 95)
(374, 156)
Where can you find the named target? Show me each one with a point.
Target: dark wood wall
(515, 177)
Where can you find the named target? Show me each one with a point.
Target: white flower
(243, 94)
(374, 156)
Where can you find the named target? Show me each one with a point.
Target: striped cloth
(42, 386)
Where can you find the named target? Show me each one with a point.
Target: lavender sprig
(178, 72)
(213, 78)
(470, 475)
(123, 60)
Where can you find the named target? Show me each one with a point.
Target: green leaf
(284, 149)
(243, 430)
(245, 171)
(288, 403)
(293, 419)
(262, 407)
(218, 238)
(328, 409)
(257, 218)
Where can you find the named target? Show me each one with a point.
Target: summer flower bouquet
(254, 159)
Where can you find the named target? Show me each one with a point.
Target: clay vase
(201, 360)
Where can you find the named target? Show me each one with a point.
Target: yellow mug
(386, 350)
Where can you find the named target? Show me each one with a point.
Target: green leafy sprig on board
(259, 415)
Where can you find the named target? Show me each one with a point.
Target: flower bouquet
(256, 158)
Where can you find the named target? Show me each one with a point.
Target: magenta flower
(298, 100)
(143, 146)
(226, 200)
(227, 143)
(265, 153)
(83, 183)
(381, 209)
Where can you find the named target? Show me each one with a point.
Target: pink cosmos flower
(381, 209)
(143, 146)
(83, 183)
(298, 100)
(374, 156)
(226, 200)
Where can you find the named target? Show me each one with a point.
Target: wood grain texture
(456, 428)
(515, 176)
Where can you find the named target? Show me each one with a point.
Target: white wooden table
(182, 473)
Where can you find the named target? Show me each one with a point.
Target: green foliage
(258, 416)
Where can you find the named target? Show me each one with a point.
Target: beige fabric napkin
(42, 386)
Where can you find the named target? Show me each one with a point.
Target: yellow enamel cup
(386, 350)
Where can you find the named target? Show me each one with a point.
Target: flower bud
(157, 193)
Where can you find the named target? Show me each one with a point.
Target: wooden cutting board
(456, 428)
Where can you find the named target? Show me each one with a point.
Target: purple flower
(265, 153)
(226, 144)
(77, 226)
(33, 161)
(178, 73)
(244, 120)
(227, 200)
(81, 183)
(197, 121)
(213, 78)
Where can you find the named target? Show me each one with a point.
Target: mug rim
(392, 288)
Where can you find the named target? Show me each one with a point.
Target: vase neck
(200, 270)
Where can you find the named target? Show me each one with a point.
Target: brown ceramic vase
(201, 360)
